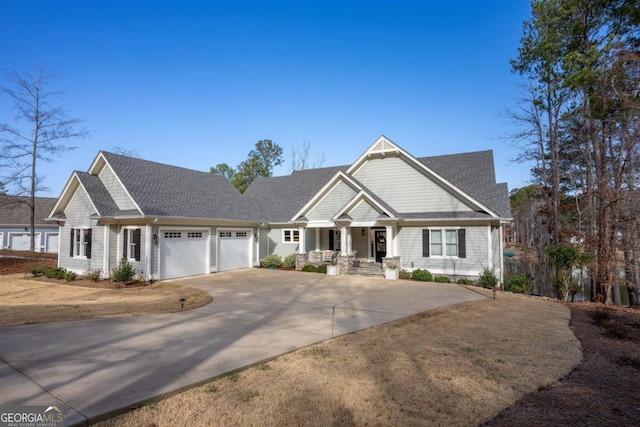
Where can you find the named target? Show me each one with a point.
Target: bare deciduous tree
(39, 132)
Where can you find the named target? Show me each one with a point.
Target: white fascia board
(65, 196)
(321, 224)
(397, 150)
(326, 189)
(68, 194)
(359, 198)
(414, 222)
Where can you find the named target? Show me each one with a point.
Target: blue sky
(197, 83)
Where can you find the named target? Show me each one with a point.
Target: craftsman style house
(443, 213)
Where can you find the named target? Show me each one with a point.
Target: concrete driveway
(95, 368)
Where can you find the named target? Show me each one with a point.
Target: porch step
(366, 269)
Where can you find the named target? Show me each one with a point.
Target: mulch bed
(12, 262)
(604, 390)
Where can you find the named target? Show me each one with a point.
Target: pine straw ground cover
(457, 365)
(25, 301)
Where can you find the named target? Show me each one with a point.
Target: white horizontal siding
(77, 216)
(339, 196)
(364, 212)
(405, 188)
(117, 192)
(410, 249)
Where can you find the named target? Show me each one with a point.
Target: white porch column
(390, 240)
(317, 240)
(301, 245)
(344, 247)
(489, 248)
(501, 277)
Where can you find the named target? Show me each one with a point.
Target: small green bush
(465, 281)
(422, 275)
(94, 274)
(310, 269)
(124, 272)
(37, 271)
(487, 279)
(70, 276)
(321, 269)
(404, 274)
(55, 273)
(289, 261)
(519, 284)
(272, 261)
(442, 279)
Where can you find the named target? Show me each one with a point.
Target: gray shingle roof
(14, 210)
(473, 173)
(277, 199)
(99, 194)
(166, 190)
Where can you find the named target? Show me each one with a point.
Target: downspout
(105, 255)
(148, 248)
(501, 255)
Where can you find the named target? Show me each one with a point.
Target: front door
(380, 244)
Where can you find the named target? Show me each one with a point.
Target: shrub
(465, 281)
(321, 269)
(69, 276)
(37, 271)
(55, 273)
(442, 279)
(487, 279)
(422, 275)
(272, 261)
(124, 272)
(310, 269)
(289, 261)
(404, 274)
(94, 274)
(519, 284)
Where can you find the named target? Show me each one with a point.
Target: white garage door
(52, 242)
(234, 249)
(22, 242)
(183, 253)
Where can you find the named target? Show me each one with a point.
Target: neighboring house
(15, 224)
(441, 213)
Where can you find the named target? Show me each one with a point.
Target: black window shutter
(462, 243)
(136, 242)
(425, 243)
(331, 240)
(125, 244)
(88, 240)
(71, 245)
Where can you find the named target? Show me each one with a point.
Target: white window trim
(293, 231)
(82, 242)
(443, 242)
(131, 256)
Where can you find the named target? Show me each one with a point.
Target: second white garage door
(22, 241)
(234, 249)
(183, 253)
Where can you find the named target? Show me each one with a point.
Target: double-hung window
(444, 243)
(290, 235)
(131, 246)
(80, 243)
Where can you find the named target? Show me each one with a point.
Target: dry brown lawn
(24, 301)
(458, 365)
